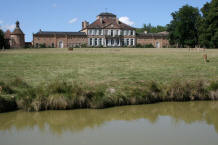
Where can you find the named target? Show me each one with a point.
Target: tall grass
(62, 95)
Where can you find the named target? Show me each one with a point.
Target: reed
(63, 95)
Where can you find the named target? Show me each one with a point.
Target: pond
(186, 123)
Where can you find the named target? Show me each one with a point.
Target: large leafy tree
(1, 39)
(209, 25)
(183, 29)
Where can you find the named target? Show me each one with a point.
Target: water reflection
(78, 120)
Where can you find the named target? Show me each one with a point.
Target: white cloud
(73, 20)
(6, 27)
(54, 5)
(126, 20)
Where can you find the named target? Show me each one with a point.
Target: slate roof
(17, 30)
(107, 14)
(161, 34)
(109, 23)
(59, 33)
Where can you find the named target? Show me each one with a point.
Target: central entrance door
(61, 44)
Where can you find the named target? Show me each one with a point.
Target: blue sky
(67, 15)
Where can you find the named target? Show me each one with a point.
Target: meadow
(51, 79)
(108, 65)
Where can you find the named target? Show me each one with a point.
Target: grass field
(108, 65)
(44, 79)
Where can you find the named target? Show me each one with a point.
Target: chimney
(85, 24)
(118, 22)
(101, 20)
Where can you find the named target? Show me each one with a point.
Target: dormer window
(131, 32)
(112, 33)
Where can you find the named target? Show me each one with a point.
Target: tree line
(191, 27)
(4, 43)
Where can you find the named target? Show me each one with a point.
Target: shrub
(144, 46)
(213, 86)
(42, 45)
(7, 104)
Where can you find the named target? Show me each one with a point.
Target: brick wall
(68, 41)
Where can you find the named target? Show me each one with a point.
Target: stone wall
(17, 41)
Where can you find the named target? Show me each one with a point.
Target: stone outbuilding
(17, 37)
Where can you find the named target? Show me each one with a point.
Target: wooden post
(205, 58)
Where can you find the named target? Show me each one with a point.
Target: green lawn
(108, 64)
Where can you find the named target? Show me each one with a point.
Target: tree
(1, 39)
(183, 29)
(151, 29)
(209, 25)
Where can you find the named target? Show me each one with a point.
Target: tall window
(122, 42)
(89, 32)
(112, 41)
(96, 41)
(127, 42)
(99, 32)
(131, 32)
(121, 32)
(125, 32)
(118, 41)
(90, 41)
(107, 42)
(112, 33)
(100, 41)
(52, 45)
(132, 43)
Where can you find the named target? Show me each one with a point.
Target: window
(122, 42)
(89, 32)
(37, 45)
(96, 41)
(52, 45)
(100, 41)
(127, 43)
(132, 42)
(99, 32)
(125, 32)
(131, 32)
(121, 32)
(112, 33)
(112, 41)
(106, 32)
(117, 33)
(106, 41)
(118, 42)
(90, 41)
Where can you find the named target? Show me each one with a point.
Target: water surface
(191, 123)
